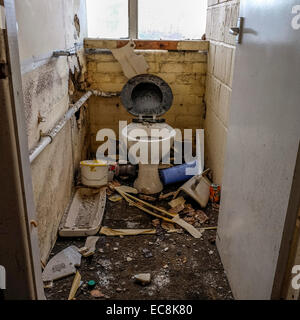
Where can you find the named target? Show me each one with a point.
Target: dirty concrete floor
(188, 269)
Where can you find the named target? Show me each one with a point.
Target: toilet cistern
(149, 138)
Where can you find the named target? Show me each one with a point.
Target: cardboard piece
(132, 64)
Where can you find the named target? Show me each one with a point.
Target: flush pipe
(46, 139)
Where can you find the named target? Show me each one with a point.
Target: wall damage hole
(77, 114)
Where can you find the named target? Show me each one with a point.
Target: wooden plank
(176, 219)
(188, 45)
(151, 45)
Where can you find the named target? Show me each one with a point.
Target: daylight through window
(156, 19)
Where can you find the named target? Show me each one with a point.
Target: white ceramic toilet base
(148, 181)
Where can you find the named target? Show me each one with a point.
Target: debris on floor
(85, 214)
(177, 209)
(198, 188)
(97, 294)
(175, 217)
(91, 284)
(125, 232)
(115, 198)
(188, 227)
(176, 202)
(168, 227)
(160, 260)
(113, 185)
(127, 189)
(166, 196)
(75, 286)
(89, 247)
(201, 216)
(143, 278)
(214, 193)
(147, 253)
(62, 265)
(147, 198)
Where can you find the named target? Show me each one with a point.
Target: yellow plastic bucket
(94, 173)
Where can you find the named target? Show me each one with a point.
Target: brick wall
(185, 72)
(221, 15)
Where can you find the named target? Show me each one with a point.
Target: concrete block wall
(46, 26)
(221, 15)
(185, 72)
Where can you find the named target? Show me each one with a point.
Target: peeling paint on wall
(46, 86)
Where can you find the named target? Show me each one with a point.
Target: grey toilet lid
(147, 95)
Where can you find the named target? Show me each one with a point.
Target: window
(147, 19)
(107, 18)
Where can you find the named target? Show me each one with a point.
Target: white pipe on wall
(48, 138)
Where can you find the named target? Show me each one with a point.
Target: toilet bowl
(148, 138)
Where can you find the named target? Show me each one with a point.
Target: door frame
(19, 236)
(282, 288)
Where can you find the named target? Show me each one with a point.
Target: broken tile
(174, 203)
(62, 264)
(143, 278)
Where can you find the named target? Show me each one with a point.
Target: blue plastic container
(177, 173)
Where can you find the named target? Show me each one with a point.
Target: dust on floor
(181, 266)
